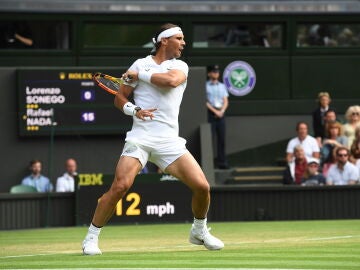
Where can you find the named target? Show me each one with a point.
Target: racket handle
(128, 78)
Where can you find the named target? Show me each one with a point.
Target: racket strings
(108, 83)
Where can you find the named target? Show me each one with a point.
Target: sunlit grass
(292, 245)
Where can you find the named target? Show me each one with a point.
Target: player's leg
(126, 170)
(125, 173)
(190, 173)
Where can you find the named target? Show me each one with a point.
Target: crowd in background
(41, 183)
(332, 155)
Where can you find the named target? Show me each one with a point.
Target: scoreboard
(65, 101)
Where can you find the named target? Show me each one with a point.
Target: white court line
(79, 251)
(175, 268)
(181, 247)
(331, 238)
(27, 255)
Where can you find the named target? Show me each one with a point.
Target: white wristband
(129, 108)
(145, 76)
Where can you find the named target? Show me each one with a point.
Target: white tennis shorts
(161, 152)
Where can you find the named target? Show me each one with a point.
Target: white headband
(168, 33)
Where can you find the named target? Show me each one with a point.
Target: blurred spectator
(16, 35)
(328, 34)
(320, 35)
(347, 38)
(36, 179)
(238, 35)
(333, 139)
(355, 146)
(295, 169)
(309, 143)
(357, 165)
(330, 162)
(35, 34)
(343, 172)
(312, 176)
(352, 116)
(330, 117)
(66, 182)
(318, 116)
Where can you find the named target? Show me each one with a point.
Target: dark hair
(300, 123)
(161, 29)
(342, 148)
(34, 161)
(329, 111)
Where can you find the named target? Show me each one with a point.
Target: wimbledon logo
(239, 78)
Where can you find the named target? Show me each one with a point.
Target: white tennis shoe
(90, 245)
(203, 237)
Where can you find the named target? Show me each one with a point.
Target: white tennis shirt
(338, 177)
(309, 145)
(167, 101)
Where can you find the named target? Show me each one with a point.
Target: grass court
(332, 244)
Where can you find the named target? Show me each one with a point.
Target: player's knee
(120, 187)
(203, 188)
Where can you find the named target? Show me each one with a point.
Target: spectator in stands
(318, 116)
(320, 35)
(36, 179)
(16, 35)
(333, 139)
(329, 117)
(357, 165)
(295, 169)
(309, 143)
(238, 35)
(355, 150)
(343, 172)
(331, 161)
(355, 146)
(312, 176)
(66, 182)
(352, 116)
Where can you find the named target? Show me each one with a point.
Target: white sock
(94, 230)
(200, 223)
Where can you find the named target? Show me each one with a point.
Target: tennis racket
(109, 83)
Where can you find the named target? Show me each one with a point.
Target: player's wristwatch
(136, 109)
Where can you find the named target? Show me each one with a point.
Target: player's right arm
(122, 99)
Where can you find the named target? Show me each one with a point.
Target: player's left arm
(171, 79)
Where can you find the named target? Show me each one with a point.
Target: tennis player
(157, 82)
